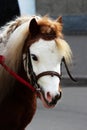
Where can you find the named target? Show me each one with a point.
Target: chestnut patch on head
(47, 32)
(44, 28)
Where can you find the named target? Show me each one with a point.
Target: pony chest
(18, 107)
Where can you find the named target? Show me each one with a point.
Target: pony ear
(34, 27)
(60, 19)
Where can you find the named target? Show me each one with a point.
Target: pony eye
(34, 57)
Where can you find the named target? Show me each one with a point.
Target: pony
(34, 49)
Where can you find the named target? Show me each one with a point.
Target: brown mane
(51, 27)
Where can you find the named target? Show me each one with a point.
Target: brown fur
(18, 108)
(48, 26)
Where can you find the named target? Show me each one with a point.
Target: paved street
(69, 114)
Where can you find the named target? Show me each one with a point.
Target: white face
(48, 59)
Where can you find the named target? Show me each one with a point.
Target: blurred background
(71, 111)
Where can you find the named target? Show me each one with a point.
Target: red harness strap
(2, 59)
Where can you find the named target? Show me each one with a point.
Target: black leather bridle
(34, 78)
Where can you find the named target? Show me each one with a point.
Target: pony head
(45, 49)
(38, 43)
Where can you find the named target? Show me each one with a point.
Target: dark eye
(34, 57)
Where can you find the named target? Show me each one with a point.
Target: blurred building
(73, 12)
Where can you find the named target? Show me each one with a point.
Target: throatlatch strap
(20, 79)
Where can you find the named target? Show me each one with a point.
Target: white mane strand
(65, 50)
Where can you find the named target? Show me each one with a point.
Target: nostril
(58, 96)
(49, 97)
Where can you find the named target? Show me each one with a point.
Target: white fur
(49, 59)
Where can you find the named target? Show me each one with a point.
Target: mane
(13, 37)
(8, 29)
(64, 49)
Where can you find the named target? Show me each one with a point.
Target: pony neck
(25, 92)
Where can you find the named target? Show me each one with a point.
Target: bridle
(33, 85)
(34, 78)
